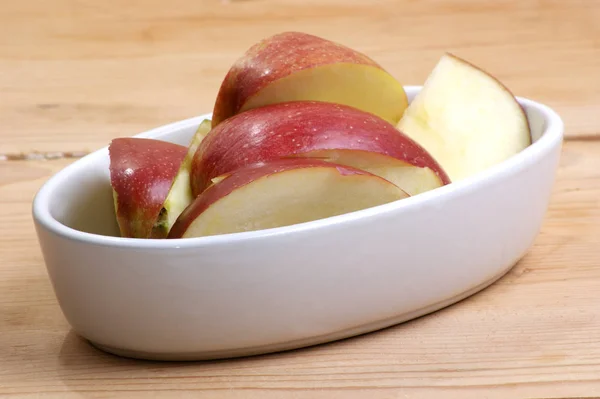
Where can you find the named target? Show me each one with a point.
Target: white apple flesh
(180, 193)
(466, 119)
(282, 193)
(414, 180)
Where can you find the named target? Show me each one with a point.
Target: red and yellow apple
(466, 119)
(281, 193)
(334, 132)
(141, 174)
(304, 128)
(180, 193)
(294, 66)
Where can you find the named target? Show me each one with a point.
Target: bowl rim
(550, 137)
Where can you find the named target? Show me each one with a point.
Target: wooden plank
(77, 73)
(532, 334)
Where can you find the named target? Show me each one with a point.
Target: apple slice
(466, 119)
(141, 174)
(282, 193)
(412, 179)
(294, 66)
(180, 194)
(308, 127)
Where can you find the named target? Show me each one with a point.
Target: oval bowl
(270, 290)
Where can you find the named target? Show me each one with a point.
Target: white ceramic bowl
(283, 288)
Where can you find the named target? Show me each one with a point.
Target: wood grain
(77, 73)
(535, 333)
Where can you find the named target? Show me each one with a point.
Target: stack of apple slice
(304, 129)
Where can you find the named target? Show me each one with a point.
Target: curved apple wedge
(290, 129)
(282, 193)
(180, 193)
(466, 119)
(293, 66)
(141, 174)
(412, 179)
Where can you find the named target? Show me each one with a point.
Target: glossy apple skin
(274, 58)
(141, 174)
(247, 175)
(287, 129)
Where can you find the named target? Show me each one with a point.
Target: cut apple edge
(115, 197)
(218, 179)
(465, 118)
(410, 178)
(388, 101)
(282, 193)
(180, 193)
(500, 83)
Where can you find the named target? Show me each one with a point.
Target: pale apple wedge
(141, 173)
(293, 66)
(180, 194)
(412, 179)
(282, 193)
(287, 129)
(466, 119)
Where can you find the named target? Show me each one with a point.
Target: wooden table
(76, 73)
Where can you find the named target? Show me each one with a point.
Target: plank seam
(54, 155)
(37, 155)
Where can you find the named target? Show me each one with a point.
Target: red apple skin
(141, 174)
(280, 55)
(247, 175)
(292, 128)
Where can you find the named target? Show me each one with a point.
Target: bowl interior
(80, 196)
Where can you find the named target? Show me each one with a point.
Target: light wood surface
(74, 74)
